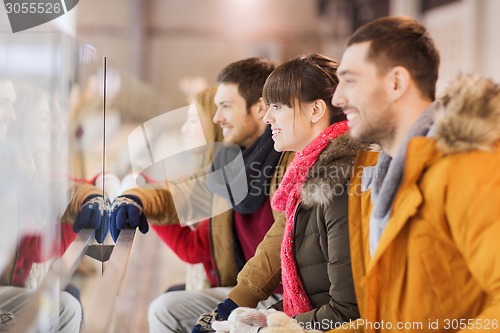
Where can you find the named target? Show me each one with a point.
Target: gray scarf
(388, 175)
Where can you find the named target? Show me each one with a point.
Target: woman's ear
(318, 110)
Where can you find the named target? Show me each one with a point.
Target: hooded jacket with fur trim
(436, 267)
(321, 236)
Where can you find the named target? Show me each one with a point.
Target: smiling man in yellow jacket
(424, 214)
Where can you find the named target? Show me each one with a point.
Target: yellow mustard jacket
(437, 264)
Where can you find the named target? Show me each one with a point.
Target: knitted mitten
(6, 319)
(222, 312)
(279, 322)
(90, 216)
(127, 211)
(244, 320)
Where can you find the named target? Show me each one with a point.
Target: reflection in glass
(39, 199)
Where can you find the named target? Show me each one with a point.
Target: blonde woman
(192, 244)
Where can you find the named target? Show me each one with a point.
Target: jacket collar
(422, 152)
(468, 119)
(329, 175)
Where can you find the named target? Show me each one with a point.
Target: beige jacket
(258, 276)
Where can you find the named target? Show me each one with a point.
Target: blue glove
(127, 211)
(222, 312)
(90, 216)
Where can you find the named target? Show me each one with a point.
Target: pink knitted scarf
(287, 198)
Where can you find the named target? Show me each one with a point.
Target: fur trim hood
(328, 177)
(469, 118)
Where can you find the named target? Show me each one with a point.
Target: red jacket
(31, 251)
(191, 246)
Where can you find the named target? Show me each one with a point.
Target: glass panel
(73, 127)
(39, 194)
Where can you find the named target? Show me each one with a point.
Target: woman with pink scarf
(315, 259)
(318, 289)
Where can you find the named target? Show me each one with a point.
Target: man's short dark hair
(250, 75)
(402, 41)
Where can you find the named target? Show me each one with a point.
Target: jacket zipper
(293, 241)
(216, 271)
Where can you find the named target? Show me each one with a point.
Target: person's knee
(161, 309)
(177, 311)
(70, 313)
